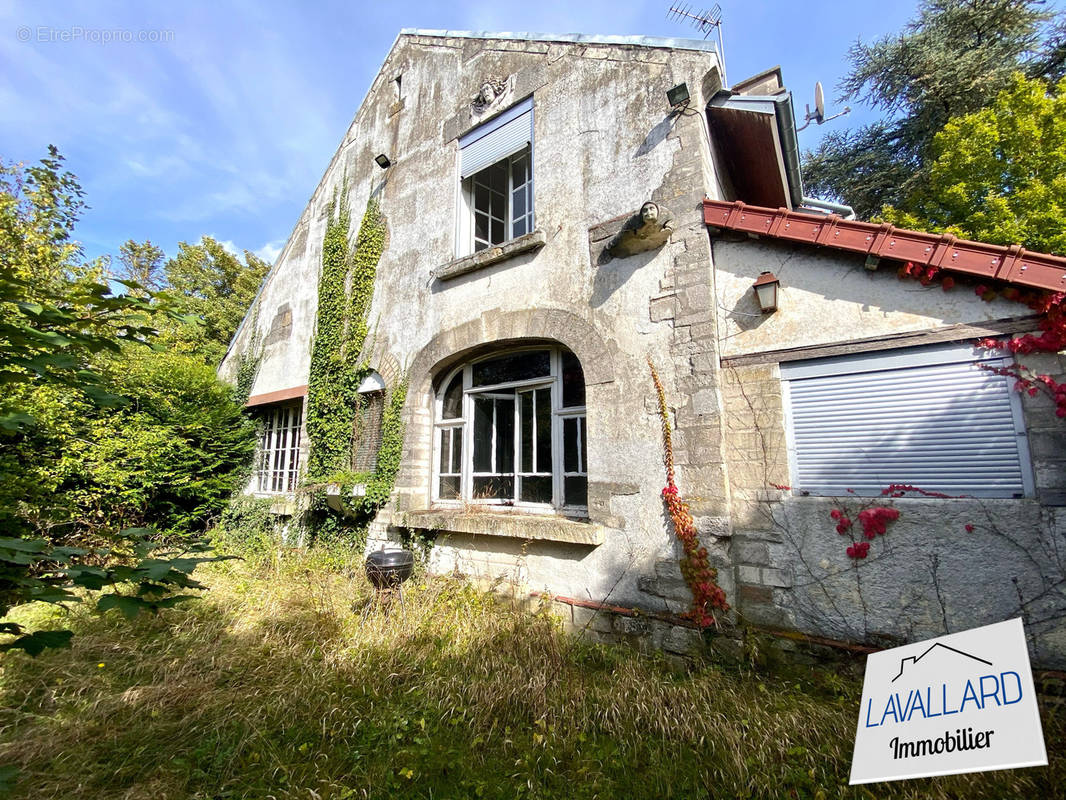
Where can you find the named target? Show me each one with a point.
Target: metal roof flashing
(575, 38)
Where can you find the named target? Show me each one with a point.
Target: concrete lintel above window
(490, 256)
(514, 526)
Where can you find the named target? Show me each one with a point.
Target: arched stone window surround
(490, 332)
(511, 431)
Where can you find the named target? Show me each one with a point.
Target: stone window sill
(490, 256)
(513, 526)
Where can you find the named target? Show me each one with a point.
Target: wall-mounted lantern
(383, 161)
(765, 287)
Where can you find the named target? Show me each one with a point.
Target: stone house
(555, 221)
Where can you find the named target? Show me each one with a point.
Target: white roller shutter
(929, 418)
(498, 138)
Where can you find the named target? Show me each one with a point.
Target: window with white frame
(510, 430)
(937, 418)
(278, 459)
(496, 180)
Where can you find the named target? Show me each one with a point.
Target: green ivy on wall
(248, 362)
(345, 292)
(345, 295)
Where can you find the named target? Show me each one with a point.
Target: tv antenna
(705, 22)
(818, 115)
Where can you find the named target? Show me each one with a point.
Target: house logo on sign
(961, 703)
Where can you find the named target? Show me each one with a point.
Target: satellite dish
(818, 115)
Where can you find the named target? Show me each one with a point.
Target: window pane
(505, 436)
(517, 367)
(496, 177)
(519, 228)
(497, 231)
(576, 490)
(518, 203)
(482, 434)
(537, 489)
(519, 170)
(453, 398)
(544, 430)
(527, 430)
(573, 381)
(449, 488)
(481, 226)
(494, 488)
(584, 446)
(445, 449)
(457, 450)
(570, 445)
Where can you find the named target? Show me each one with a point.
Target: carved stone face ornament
(649, 213)
(648, 229)
(490, 91)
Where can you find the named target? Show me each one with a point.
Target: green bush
(247, 529)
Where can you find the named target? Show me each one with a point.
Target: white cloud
(229, 246)
(270, 251)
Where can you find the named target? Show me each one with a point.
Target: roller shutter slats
(497, 139)
(945, 427)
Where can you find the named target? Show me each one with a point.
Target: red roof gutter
(990, 261)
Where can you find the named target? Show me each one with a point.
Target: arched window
(510, 430)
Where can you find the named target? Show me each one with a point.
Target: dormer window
(496, 180)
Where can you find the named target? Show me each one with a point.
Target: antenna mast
(705, 22)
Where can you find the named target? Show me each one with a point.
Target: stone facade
(605, 142)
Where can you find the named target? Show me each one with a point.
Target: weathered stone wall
(929, 574)
(605, 141)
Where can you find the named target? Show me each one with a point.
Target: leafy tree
(211, 283)
(142, 263)
(952, 59)
(97, 430)
(999, 174)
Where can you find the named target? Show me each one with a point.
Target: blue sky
(223, 119)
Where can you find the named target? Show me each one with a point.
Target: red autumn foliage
(874, 521)
(701, 577)
(1052, 339)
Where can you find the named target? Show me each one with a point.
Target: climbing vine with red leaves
(701, 577)
(874, 521)
(1052, 323)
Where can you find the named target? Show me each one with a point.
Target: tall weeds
(293, 682)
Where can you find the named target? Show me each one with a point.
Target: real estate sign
(960, 703)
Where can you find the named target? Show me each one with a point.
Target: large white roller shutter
(496, 139)
(932, 419)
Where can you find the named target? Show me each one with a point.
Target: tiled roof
(991, 261)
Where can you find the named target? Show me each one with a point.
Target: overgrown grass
(291, 683)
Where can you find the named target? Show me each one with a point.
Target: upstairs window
(510, 431)
(278, 459)
(496, 180)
